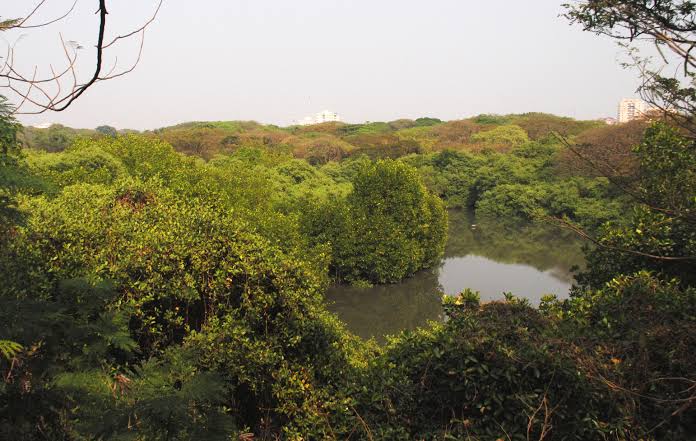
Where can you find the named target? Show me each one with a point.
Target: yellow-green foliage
(188, 271)
(505, 136)
(423, 136)
(80, 164)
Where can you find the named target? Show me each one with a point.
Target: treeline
(321, 143)
(524, 156)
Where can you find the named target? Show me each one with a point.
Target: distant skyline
(276, 61)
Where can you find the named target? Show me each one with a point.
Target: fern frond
(9, 349)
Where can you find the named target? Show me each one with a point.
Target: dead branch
(140, 29)
(368, 432)
(546, 425)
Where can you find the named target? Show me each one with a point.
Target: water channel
(489, 256)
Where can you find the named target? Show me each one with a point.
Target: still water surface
(488, 256)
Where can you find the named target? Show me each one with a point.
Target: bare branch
(23, 86)
(582, 233)
(24, 20)
(110, 76)
(140, 29)
(65, 102)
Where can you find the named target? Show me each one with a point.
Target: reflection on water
(492, 279)
(485, 255)
(387, 309)
(543, 247)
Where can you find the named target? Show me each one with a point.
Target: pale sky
(275, 61)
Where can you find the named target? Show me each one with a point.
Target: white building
(321, 117)
(632, 108)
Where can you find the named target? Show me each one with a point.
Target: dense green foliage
(151, 295)
(637, 333)
(491, 370)
(56, 137)
(387, 228)
(659, 231)
(126, 284)
(522, 184)
(170, 285)
(8, 162)
(460, 161)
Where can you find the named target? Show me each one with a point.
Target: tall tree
(9, 147)
(670, 25)
(660, 233)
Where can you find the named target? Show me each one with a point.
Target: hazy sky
(276, 61)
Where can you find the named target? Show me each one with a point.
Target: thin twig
(566, 224)
(368, 432)
(55, 20)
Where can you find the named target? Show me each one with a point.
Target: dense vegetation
(169, 285)
(521, 156)
(182, 297)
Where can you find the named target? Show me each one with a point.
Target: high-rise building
(632, 108)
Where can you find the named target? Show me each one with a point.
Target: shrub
(639, 333)
(388, 227)
(184, 272)
(492, 371)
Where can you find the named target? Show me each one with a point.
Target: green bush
(150, 295)
(387, 228)
(184, 272)
(493, 371)
(638, 334)
(657, 233)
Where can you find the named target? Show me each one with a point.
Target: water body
(485, 255)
